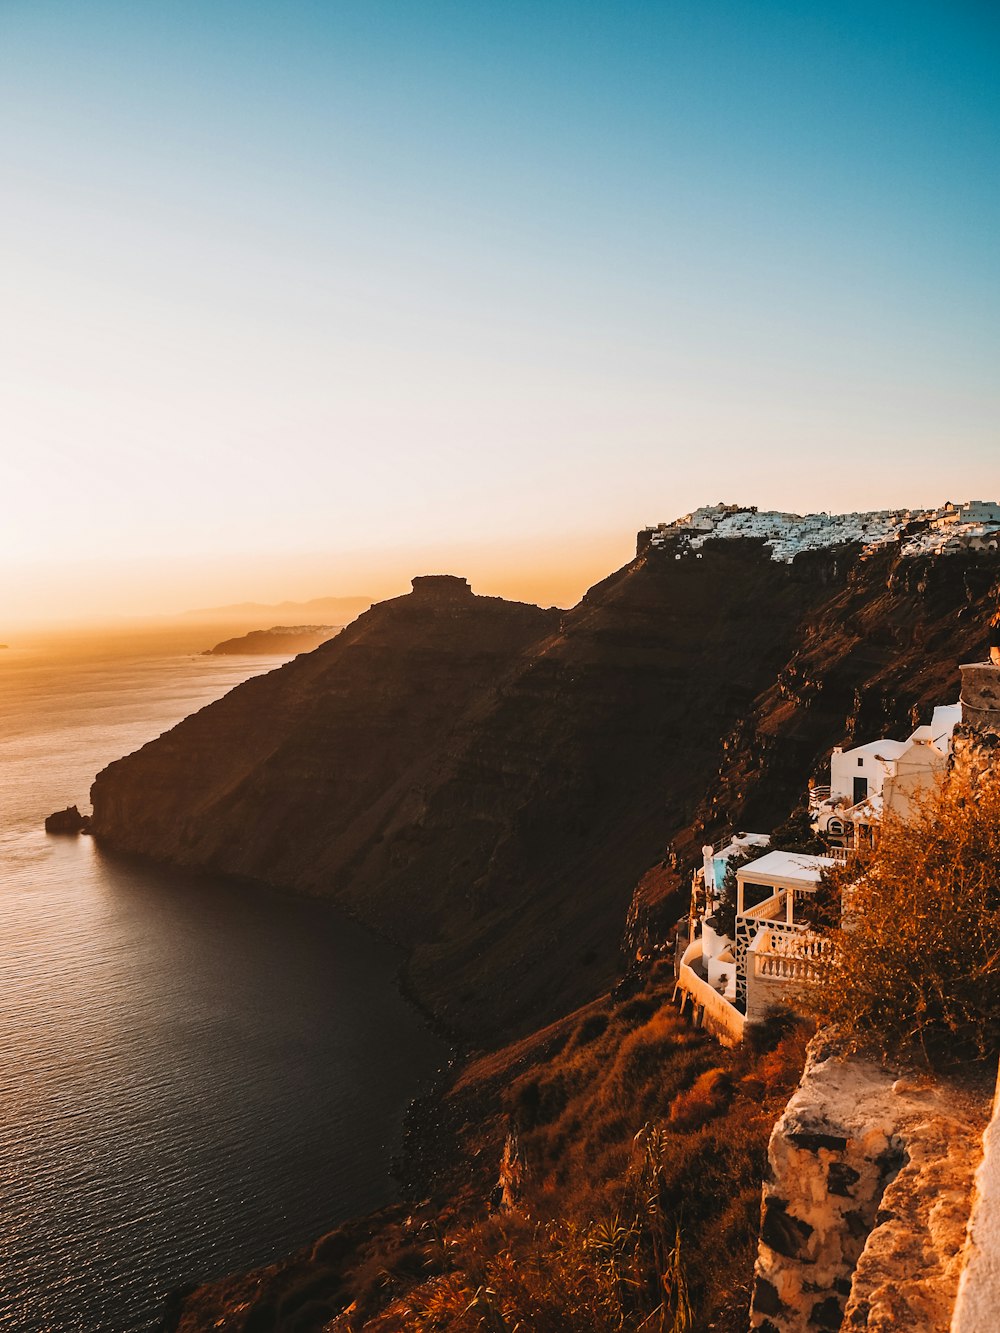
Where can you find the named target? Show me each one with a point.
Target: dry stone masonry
(866, 1200)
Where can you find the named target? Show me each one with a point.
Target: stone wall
(978, 1304)
(866, 1201)
(981, 696)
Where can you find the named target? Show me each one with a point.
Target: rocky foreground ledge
(868, 1199)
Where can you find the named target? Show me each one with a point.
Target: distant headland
(287, 639)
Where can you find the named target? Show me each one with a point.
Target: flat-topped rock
(448, 587)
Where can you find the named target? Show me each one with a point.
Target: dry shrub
(917, 959)
(639, 1197)
(592, 1027)
(706, 1098)
(638, 1010)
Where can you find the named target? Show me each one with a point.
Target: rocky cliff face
(878, 648)
(867, 1199)
(487, 782)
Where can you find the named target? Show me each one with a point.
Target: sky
(303, 298)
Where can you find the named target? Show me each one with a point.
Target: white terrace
(771, 895)
(730, 983)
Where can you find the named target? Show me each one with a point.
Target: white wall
(844, 768)
(977, 1309)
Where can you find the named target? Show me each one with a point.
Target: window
(860, 789)
(861, 763)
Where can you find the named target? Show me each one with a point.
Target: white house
(717, 956)
(772, 897)
(733, 981)
(774, 952)
(881, 776)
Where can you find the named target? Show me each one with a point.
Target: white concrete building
(974, 525)
(718, 962)
(880, 776)
(773, 953)
(733, 981)
(772, 896)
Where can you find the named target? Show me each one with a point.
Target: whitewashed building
(947, 530)
(775, 949)
(880, 776)
(730, 982)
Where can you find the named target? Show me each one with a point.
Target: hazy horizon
(311, 299)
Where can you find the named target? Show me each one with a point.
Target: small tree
(723, 919)
(917, 955)
(796, 834)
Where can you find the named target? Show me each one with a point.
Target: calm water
(194, 1077)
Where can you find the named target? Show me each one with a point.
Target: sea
(196, 1076)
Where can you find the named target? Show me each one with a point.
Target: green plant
(796, 834)
(723, 919)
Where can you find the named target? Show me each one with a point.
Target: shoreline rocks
(67, 821)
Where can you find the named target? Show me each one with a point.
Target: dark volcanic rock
(441, 586)
(486, 782)
(67, 821)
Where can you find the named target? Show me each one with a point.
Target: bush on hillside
(918, 952)
(707, 1097)
(796, 834)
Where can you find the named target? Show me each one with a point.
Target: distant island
(278, 639)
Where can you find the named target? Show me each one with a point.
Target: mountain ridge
(503, 842)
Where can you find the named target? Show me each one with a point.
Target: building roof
(884, 749)
(785, 867)
(740, 842)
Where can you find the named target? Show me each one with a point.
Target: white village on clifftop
(974, 525)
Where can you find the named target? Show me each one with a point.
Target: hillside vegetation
(917, 961)
(604, 1177)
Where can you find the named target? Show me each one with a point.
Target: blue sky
(300, 297)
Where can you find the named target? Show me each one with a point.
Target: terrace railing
(771, 909)
(803, 960)
(711, 1010)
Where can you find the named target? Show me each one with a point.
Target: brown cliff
(487, 783)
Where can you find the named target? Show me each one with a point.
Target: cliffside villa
(747, 946)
